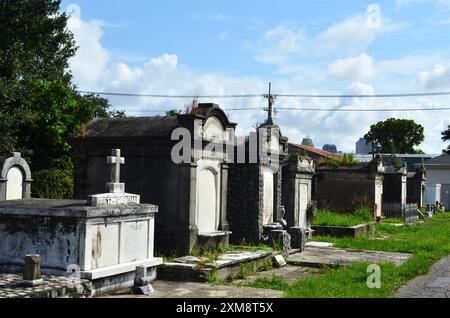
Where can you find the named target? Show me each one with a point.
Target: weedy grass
(330, 218)
(275, 282)
(428, 242)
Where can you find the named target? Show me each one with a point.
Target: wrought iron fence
(392, 210)
(408, 212)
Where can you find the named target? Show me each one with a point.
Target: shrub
(53, 184)
(345, 160)
(364, 213)
(330, 218)
(311, 211)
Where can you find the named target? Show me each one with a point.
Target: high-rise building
(330, 148)
(362, 147)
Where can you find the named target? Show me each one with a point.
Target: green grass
(329, 218)
(276, 283)
(393, 221)
(245, 269)
(428, 242)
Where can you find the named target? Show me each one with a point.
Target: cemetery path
(167, 289)
(435, 284)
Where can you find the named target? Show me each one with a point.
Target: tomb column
(188, 206)
(223, 225)
(277, 195)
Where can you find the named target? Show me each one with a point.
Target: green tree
(395, 136)
(446, 137)
(40, 107)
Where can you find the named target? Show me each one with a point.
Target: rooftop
(441, 160)
(319, 152)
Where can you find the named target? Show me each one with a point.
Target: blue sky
(234, 47)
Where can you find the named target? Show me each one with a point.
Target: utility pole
(271, 99)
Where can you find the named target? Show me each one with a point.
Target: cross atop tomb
(116, 195)
(269, 109)
(115, 160)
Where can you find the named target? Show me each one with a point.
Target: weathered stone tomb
(100, 241)
(191, 193)
(298, 173)
(345, 188)
(395, 184)
(255, 187)
(15, 178)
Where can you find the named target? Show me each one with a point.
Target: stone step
(193, 269)
(333, 257)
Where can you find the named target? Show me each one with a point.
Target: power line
(368, 96)
(275, 95)
(319, 109)
(365, 110)
(170, 96)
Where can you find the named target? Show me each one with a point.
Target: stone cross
(115, 160)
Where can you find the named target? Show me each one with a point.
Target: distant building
(330, 148)
(307, 142)
(438, 172)
(317, 155)
(362, 147)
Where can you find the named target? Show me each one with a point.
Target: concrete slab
(55, 287)
(168, 289)
(319, 257)
(318, 244)
(197, 269)
(289, 273)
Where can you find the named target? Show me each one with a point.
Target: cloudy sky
(203, 47)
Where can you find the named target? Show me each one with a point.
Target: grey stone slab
(289, 273)
(318, 257)
(69, 208)
(11, 287)
(167, 289)
(318, 244)
(186, 260)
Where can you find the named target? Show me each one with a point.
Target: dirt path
(435, 284)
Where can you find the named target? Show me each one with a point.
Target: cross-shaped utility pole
(271, 99)
(115, 161)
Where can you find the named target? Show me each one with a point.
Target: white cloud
(89, 64)
(408, 65)
(355, 68)
(350, 35)
(94, 69)
(280, 43)
(439, 77)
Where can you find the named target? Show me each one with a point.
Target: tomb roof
(441, 160)
(157, 126)
(154, 126)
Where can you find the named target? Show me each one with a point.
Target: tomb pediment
(213, 129)
(15, 178)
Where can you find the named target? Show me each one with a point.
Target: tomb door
(268, 198)
(14, 185)
(207, 201)
(302, 205)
